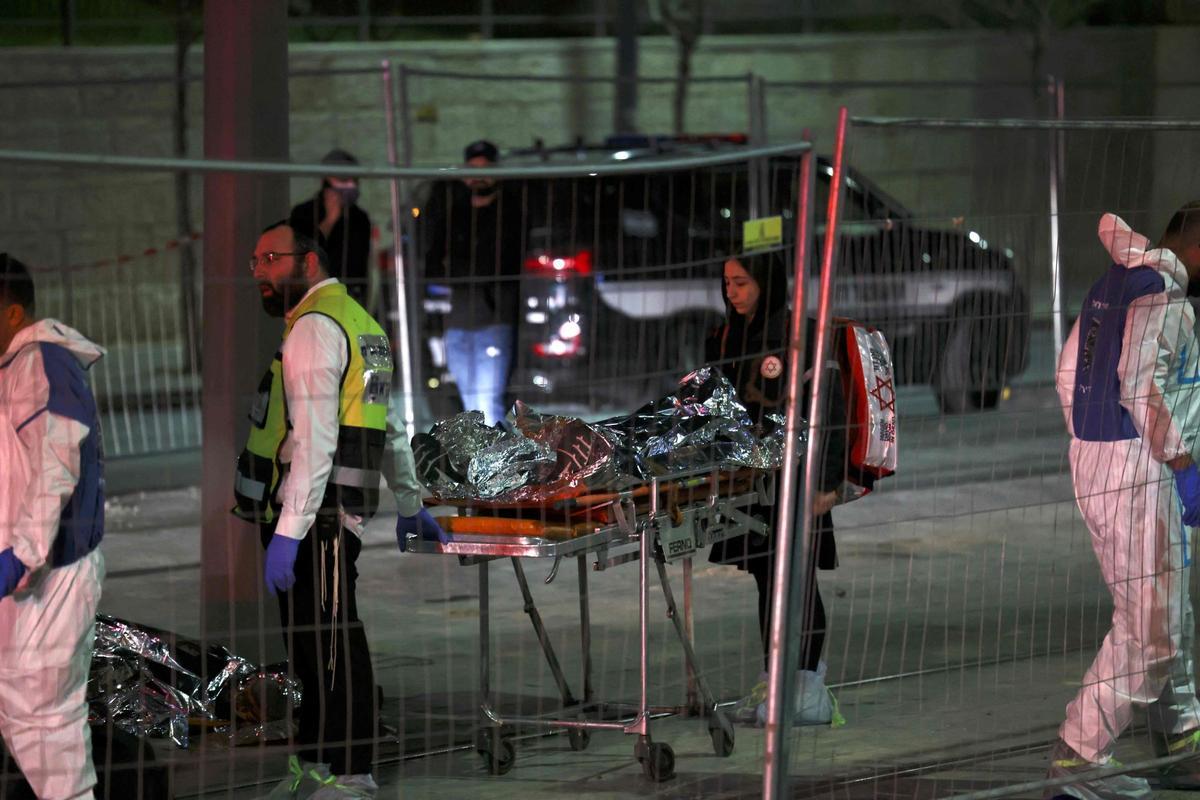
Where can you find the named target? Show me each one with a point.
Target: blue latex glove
(1187, 481)
(281, 562)
(423, 524)
(11, 572)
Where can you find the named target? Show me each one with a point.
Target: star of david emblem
(885, 393)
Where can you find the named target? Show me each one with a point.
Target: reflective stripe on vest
(248, 487)
(362, 416)
(360, 478)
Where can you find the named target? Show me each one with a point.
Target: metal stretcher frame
(711, 519)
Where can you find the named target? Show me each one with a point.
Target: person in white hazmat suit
(51, 523)
(1129, 382)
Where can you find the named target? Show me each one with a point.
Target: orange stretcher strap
(507, 526)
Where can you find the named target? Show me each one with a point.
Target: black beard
(273, 304)
(280, 301)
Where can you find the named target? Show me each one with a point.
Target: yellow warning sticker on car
(762, 232)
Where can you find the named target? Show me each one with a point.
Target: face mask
(349, 196)
(483, 189)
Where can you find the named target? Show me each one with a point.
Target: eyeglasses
(269, 258)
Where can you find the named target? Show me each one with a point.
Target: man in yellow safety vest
(309, 476)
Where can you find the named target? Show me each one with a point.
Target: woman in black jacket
(750, 349)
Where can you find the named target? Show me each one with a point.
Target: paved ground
(966, 607)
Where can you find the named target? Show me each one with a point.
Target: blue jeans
(479, 359)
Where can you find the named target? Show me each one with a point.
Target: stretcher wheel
(721, 733)
(579, 738)
(659, 762)
(496, 763)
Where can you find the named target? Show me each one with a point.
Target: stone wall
(55, 217)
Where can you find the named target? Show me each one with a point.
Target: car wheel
(968, 376)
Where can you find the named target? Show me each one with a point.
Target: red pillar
(245, 117)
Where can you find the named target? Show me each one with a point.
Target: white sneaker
(814, 703)
(347, 787)
(305, 779)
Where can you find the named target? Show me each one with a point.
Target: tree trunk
(67, 14)
(625, 108)
(683, 76)
(684, 20)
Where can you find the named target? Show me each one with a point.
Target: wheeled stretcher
(664, 521)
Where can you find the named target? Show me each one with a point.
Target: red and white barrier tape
(173, 244)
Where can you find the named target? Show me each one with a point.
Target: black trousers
(327, 650)
(812, 611)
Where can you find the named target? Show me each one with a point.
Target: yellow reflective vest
(362, 416)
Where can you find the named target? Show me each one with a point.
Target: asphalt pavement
(965, 608)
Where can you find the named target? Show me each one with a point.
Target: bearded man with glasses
(320, 440)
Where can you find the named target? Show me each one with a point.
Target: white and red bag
(868, 377)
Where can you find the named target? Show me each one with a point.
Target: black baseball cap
(482, 147)
(339, 157)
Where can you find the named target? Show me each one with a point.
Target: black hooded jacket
(348, 244)
(753, 355)
(477, 251)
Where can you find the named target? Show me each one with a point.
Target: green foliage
(97, 22)
(1059, 14)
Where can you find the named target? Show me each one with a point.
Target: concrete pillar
(245, 117)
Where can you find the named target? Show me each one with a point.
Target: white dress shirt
(314, 360)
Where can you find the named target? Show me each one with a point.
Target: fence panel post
(791, 538)
(398, 265)
(1056, 283)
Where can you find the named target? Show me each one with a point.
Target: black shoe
(1182, 774)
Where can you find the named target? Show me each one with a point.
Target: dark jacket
(478, 252)
(750, 354)
(348, 244)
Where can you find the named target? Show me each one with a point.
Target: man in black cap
(343, 229)
(474, 232)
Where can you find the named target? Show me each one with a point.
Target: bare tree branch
(684, 20)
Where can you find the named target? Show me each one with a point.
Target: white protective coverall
(47, 624)
(1149, 377)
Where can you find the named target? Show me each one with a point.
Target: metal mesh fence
(558, 111)
(121, 279)
(148, 386)
(791, 105)
(615, 281)
(626, 267)
(966, 603)
(114, 250)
